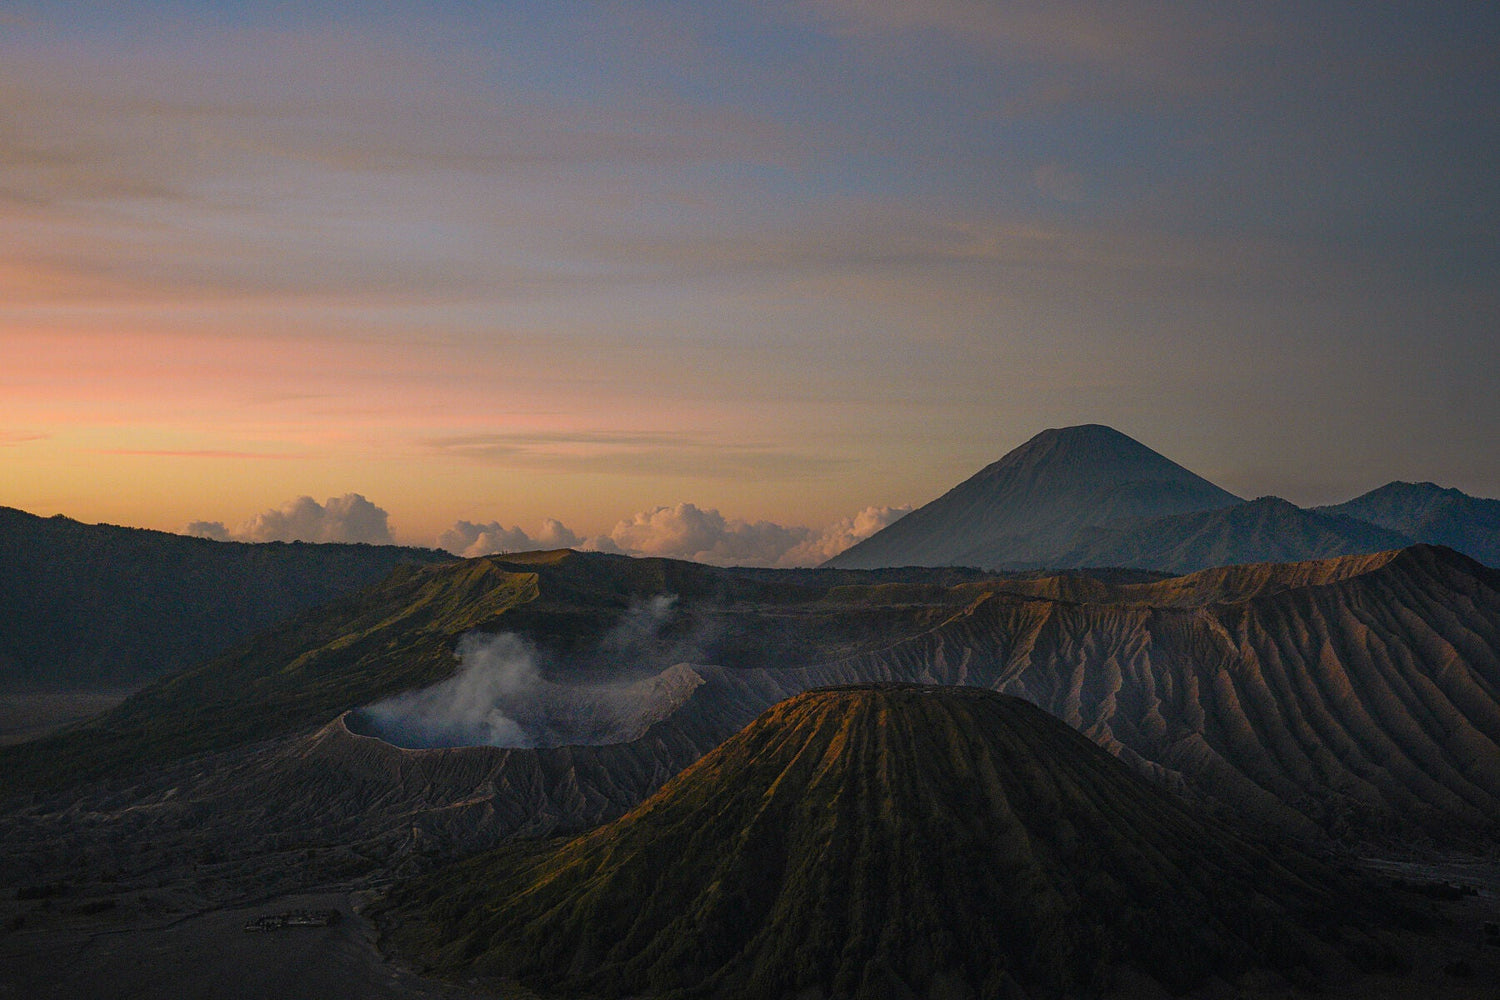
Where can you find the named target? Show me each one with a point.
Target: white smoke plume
(349, 518)
(468, 539)
(638, 627)
(469, 708)
(499, 696)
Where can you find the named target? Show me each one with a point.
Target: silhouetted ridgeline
(1027, 509)
(1432, 514)
(95, 604)
(1265, 530)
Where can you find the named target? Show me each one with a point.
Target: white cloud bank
(349, 518)
(684, 531)
(469, 540)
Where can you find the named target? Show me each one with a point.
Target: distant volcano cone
(1027, 508)
(887, 841)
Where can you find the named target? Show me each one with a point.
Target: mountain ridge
(1267, 529)
(1022, 510)
(84, 604)
(1229, 685)
(1427, 512)
(1089, 496)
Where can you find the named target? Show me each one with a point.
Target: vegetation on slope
(876, 840)
(397, 635)
(1357, 698)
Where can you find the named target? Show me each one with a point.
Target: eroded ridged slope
(873, 840)
(1356, 696)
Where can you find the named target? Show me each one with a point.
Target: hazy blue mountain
(1027, 509)
(1433, 514)
(1265, 530)
(96, 604)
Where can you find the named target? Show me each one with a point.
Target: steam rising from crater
(499, 697)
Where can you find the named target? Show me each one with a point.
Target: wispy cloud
(633, 454)
(827, 239)
(198, 453)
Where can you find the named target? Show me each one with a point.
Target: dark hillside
(98, 605)
(1356, 698)
(402, 633)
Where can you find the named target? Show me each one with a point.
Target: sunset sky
(502, 263)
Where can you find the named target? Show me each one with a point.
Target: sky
(750, 277)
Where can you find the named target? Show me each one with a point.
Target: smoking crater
(498, 697)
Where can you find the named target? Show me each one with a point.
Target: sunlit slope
(95, 604)
(397, 635)
(401, 634)
(872, 841)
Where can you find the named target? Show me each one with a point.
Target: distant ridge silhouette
(1089, 497)
(1427, 512)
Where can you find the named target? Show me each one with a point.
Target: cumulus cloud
(843, 533)
(349, 518)
(686, 531)
(209, 529)
(468, 539)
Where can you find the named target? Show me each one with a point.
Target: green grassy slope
(1355, 698)
(875, 840)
